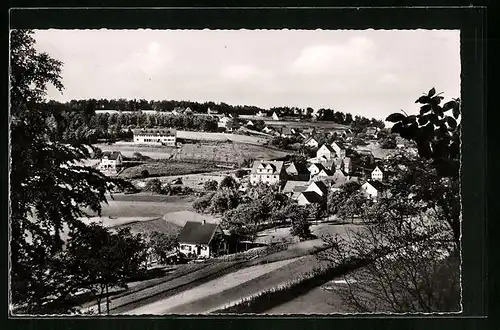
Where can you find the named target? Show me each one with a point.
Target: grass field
(163, 168)
(181, 217)
(219, 152)
(206, 136)
(146, 227)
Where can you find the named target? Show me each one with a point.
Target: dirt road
(168, 305)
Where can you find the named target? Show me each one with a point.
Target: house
(308, 131)
(249, 123)
(309, 197)
(339, 149)
(325, 152)
(287, 132)
(268, 130)
(156, 136)
(377, 174)
(201, 239)
(268, 172)
(103, 111)
(372, 132)
(318, 187)
(373, 189)
(323, 174)
(228, 123)
(212, 112)
(348, 165)
(314, 169)
(260, 114)
(148, 112)
(293, 188)
(110, 163)
(275, 116)
(340, 177)
(311, 142)
(177, 111)
(297, 172)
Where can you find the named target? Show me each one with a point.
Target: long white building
(156, 136)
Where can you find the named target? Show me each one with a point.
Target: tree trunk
(107, 300)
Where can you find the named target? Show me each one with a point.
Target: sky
(370, 73)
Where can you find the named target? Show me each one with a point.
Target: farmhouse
(202, 239)
(110, 162)
(268, 130)
(309, 197)
(377, 174)
(311, 142)
(325, 152)
(314, 169)
(293, 189)
(339, 149)
(297, 172)
(373, 189)
(157, 136)
(275, 116)
(318, 187)
(268, 172)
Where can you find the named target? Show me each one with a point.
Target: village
(156, 197)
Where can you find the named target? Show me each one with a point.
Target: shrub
(210, 185)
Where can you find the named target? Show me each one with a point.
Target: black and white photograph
(211, 171)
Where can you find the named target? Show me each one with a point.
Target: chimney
(203, 221)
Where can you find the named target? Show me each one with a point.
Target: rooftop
(195, 232)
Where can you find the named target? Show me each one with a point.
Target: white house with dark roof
(373, 189)
(110, 163)
(315, 168)
(156, 136)
(318, 187)
(325, 152)
(268, 172)
(309, 197)
(311, 142)
(339, 149)
(377, 174)
(201, 239)
(293, 189)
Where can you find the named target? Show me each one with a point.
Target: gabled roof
(318, 165)
(327, 147)
(327, 172)
(379, 186)
(155, 131)
(339, 144)
(312, 196)
(112, 155)
(321, 185)
(195, 232)
(275, 164)
(310, 139)
(293, 186)
(299, 168)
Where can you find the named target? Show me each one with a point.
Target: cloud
(150, 61)
(243, 73)
(328, 58)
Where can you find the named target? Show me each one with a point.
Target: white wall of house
(313, 170)
(301, 200)
(187, 248)
(312, 143)
(377, 174)
(315, 188)
(264, 178)
(369, 191)
(324, 152)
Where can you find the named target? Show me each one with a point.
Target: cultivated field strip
(275, 278)
(234, 279)
(171, 287)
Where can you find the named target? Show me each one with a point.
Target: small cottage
(202, 240)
